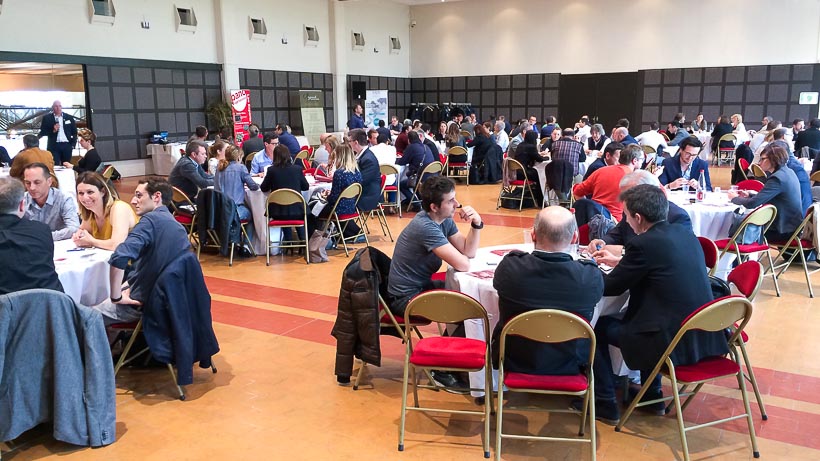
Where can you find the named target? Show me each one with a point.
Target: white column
(338, 63)
(230, 72)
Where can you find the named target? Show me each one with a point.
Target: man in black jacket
(547, 278)
(61, 130)
(663, 271)
(809, 137)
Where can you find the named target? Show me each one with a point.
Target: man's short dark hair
(154, 185)
(413, 137)
(253, 130)
(381, 123)
(779, 133)
(433, 190)
(612, 147)
(201, 131)
(796, 121)
(630, 153)
(42, 166)
(550, 119)
(568, 132)
(359, 136)
(425, 127)
(624, 122)
(31, 140)
(269, 136)
(646, 200)
(11, 193)
(815, 123)
(653, 126)
(194, 146)
(690, 141)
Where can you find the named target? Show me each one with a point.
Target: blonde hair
(345, 158)
(232, 154)
(94, 179)
(333, 143)
(738, 117)
(87, 135)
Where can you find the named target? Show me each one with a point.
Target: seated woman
(285, 175)
(453, 139)
(441, 135)
(215, 153)
(739, 129)
(554, 136)
(347, 173)
(91, 160)
(527, 154)
(782, 189)
(723, 127)
(231, 179)
(327, 169)
(698, 124)
(481, 145)
(105, 221)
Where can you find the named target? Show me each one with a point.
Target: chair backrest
(457, 150)
(750, 184)
(108, 172)
(648, 149)
(303, 154)
(744, 164)
(514, 165)
(710, 253)
(353, 191)
(747, 277)
(717, 315)
(444, 306)
(549, 326)
(248, 160)
(815, 176)
(760, 216)
(388, 170)
(285, 197)
(182, 197)
(757, 171)
(465, 133)
(432, 168)
(728, 137)
(583, 234)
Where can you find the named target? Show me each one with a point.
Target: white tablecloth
(84, 274)
(711, 218)
(482, 289)
(65, 176)
(165, 156)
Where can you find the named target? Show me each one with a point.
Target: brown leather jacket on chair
(357, 322)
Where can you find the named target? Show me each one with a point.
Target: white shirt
(503, 140)
(651, 138)
(757, 140)
(741, 133)
(61, 137)
(583, 133)
(386, 155)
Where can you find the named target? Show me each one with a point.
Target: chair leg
(174, 378)
(404, 402)
(498, 417)
(359, 377)
(742, 384)
(753, 380)
(774, 278)
(488, 401)
(127, 348)
(806, 272)
(679, 415)
(592, 435)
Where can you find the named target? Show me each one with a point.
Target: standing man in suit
(547, 278)
(685, 167)
(357, 119)
(663, 271)
(61, 130)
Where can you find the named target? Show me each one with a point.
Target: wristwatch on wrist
(116, 300)
(623, 251)
(477, 226)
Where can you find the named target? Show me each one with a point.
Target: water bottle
(701, 191)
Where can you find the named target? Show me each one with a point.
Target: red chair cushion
(806, 244)
(244, 221)
(449, 352)
(458, 164)
(385, 320)
(390, 188)
(583, 234)
(520, 182)
(442, 276)
(123, 326)
(565, 383)
(285, 222)
(343, 217)
(184, 218)
(750, 248)
(709, 368)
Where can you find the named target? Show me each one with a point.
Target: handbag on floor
(317, 246)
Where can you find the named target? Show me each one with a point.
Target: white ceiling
(422, 2)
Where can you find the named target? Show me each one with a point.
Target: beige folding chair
(465, 133)
(762, 216)
(548, 326)
(353, 191)
(184, 212)
(445, 353)
(286, 197)
(815, 177)
(512, 166)
(108, 172)
(248, 160)
(378, 212)
(757, 171)
(726, 153)
(431, 168)
(303, 154)
(388, 170)
(715, 316)
(796, 246)
(457, 170)
(648, 150)
(710, 254)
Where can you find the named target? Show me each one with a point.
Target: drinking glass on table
(685, 187)
(733, 188)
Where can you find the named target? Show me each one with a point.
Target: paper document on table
(483, 275)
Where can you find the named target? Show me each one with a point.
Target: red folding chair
(710, 254)
(762, 216)
(583, 234)
(750, 184)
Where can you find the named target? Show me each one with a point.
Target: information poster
(313, 115)
(241, 114)
(375, 108)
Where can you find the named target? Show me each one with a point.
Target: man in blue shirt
(264, 157)
(288, 140)
(156, 241)
(356, 120)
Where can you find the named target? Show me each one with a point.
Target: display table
(165, 156)
(84, 273)
(478, 283)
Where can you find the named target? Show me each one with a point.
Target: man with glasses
(264, 157)
(685, 168)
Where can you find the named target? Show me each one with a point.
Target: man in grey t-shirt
(430, 238)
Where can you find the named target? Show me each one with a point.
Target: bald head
(554, 229)
(620, 134)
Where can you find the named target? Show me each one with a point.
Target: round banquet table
(84, 274)
(711, 218)
(478, 283)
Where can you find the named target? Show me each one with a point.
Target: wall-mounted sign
(808, 97)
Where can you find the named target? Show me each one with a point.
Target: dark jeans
(608, 331)
(61, 153)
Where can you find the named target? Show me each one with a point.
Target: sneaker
(450, 382)
(343, 380)
(655, 409)
(606, 411)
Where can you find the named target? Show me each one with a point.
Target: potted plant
(219, 114)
